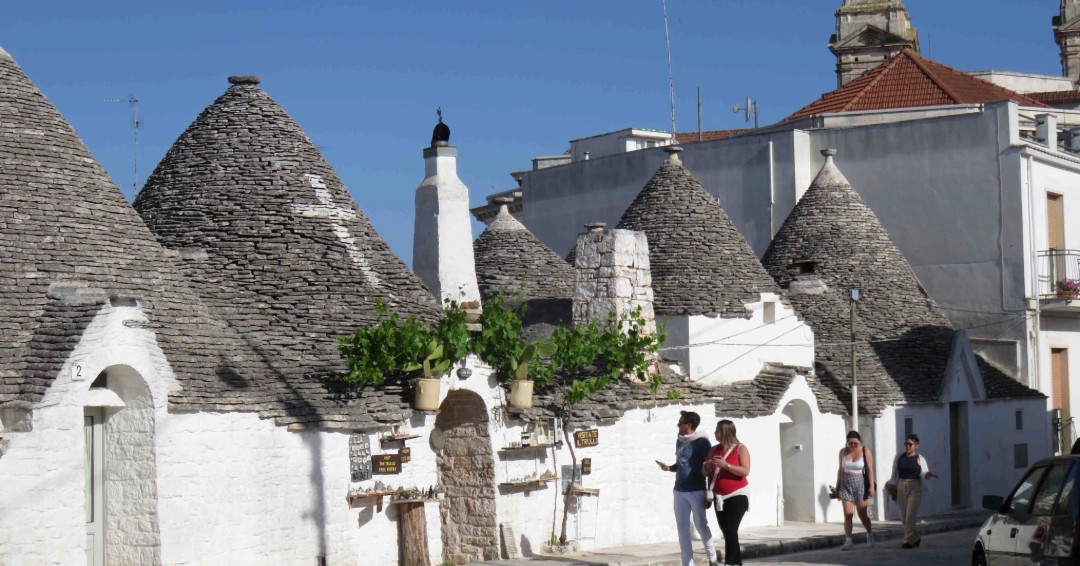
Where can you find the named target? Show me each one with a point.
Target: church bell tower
(868, 33)
(1067, 36)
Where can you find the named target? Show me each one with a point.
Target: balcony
(1058, 268)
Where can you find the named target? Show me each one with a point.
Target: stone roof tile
(701, 264)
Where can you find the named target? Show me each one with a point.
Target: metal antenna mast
(671, 80)
(133, 103)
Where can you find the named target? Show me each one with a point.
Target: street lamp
(855, 296)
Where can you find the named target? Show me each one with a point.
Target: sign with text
(359, 457)
(583, 438)
(405, 453)
(586, 466)
(386, 464)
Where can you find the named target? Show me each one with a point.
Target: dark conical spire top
(440, 137)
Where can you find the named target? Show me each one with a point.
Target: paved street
(944, 549)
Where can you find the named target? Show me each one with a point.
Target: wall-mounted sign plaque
(586, 466)
(405, 453)
(359, 457)
(584, 438)
(386, 464)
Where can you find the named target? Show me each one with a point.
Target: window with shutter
(1059, 369)
(1055, 221)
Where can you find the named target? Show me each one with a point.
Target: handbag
(866, 476)
(709, 495)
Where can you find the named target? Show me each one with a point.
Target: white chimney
(442, 239)
(1046, 130)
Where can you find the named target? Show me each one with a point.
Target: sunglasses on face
(909, 444)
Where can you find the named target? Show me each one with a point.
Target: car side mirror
(994, 503)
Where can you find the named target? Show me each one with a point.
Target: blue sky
(515, 79)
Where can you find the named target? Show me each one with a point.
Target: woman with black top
(909, 471)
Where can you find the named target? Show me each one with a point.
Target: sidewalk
(756, 542)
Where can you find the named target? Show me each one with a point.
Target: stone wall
(613, 276)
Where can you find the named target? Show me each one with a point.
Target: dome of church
(71, 244)
(283, 248)
(701, 264)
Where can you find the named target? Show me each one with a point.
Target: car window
(1065, 502)
(1020, 500)
(1047, 495)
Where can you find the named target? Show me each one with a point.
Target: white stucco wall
(42, 517)
(727, 350)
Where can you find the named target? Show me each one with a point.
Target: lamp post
(855, 296)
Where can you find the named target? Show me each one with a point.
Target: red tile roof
(910, 80)
(1056, 96)
(708, 135)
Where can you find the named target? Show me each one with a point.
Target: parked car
(1037, 522)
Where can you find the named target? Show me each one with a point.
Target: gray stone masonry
(613, 276)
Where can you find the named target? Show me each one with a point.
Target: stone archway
(467, 474)
(797, 457)
(128, 469)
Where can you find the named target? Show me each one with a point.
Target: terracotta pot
(521, 391)
(1067, 294)
(427, 394)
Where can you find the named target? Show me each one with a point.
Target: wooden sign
(386, 464)
(583, 438)
(586, 466)
(405, 453)
(359, 457)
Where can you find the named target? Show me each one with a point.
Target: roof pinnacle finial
(673, 152)
(440, 137)
(245, 79)
(829, 154)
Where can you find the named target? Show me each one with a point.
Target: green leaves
(618, 347)
(393, 346)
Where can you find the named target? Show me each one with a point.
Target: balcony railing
(1055, 266)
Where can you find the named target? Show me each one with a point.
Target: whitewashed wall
(729, 350)
(42, 517)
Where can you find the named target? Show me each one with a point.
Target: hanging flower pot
(521, 391)
(427, 394)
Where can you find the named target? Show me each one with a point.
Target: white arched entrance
(121, 469)
(797, 456)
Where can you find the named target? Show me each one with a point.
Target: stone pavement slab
(756, 542)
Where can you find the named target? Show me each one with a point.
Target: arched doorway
(797, 456)
(467, 474)
(121, 469)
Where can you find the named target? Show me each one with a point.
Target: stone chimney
(442, 239)
(613, 275)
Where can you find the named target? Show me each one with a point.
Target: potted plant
(1068, 288)
(521, 388)
(427, 387)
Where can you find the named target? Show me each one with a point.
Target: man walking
(691, 450)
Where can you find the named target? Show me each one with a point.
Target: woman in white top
(855, 486)
(908, 472)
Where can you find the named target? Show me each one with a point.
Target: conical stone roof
(701, 264)
(514, 264)
(832, 232)
(273, 240)
(70, 241)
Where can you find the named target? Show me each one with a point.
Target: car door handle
(1012, 532)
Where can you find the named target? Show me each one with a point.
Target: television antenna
(749, 108)
(671, 80)
(132, 103)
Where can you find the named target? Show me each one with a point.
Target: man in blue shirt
(691, 450)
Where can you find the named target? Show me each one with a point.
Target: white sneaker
(870, 540)
(848, 544)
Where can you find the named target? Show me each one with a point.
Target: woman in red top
(727, 468)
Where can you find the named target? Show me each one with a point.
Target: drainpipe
(1035, 364)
